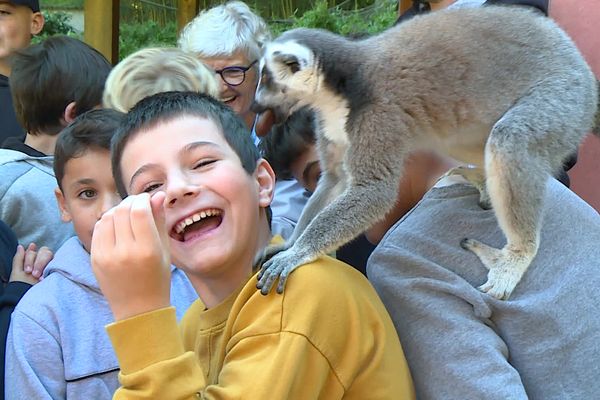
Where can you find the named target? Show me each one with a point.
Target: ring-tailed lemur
(501, 88)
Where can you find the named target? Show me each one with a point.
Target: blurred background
(154, 22)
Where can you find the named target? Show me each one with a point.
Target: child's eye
(87, 194)
(203, 163)
(151, 188)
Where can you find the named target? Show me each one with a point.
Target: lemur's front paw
(279, 266)
(268, 252)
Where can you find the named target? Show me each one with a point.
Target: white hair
(224, 30)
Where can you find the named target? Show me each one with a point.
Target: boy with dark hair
(198, 193)
(54, 81)
(57, 347)
(19, 21)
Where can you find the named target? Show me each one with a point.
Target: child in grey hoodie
(57, 346)
(51, 83)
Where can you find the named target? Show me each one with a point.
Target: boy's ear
(65, 215)
(266, 182)
(69, 114)
(37, 23)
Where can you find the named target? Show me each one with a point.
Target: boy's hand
(130, 256)
(28, 264)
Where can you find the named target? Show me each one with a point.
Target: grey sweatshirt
(543, 343)
(57, 345)
(27, 202)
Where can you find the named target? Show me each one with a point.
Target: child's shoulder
(68, 278)
(323, 290)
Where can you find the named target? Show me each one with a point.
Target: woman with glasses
(228, 38)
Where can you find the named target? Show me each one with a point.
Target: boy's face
(212, 206)
(17, 25)
(89, 190)
(306, 168)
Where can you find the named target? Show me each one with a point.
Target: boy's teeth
(194, 218)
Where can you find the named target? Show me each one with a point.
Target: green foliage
(372, 19)
(61, 4)
(57, 23)
(135, 36)
(377, 16)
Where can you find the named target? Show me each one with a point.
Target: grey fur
(504, 89)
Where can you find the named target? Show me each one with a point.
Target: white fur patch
(302, 53)
(333, 110)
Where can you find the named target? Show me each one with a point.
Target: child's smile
(212, 204)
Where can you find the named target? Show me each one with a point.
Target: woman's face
(239, 97)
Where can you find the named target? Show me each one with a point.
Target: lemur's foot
(280, 265)
(476, 177)
(506, 267)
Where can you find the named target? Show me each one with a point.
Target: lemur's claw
(278, 266)
(264, 256)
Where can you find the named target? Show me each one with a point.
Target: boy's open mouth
(197, 224)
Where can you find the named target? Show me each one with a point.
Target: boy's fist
(130, 256)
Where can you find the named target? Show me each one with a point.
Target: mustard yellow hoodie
(328, 336)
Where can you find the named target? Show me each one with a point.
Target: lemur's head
(290, 77)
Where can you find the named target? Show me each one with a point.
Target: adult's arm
(444, 325)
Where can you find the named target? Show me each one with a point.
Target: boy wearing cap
(19, 21)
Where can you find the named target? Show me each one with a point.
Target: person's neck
(42, 142)
(213, 290)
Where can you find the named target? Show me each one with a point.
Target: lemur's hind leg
(526, 145)
(476, 177)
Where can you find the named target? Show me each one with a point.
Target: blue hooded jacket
(57, 345)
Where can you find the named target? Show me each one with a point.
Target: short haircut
(167, 106)
(154, 70)
(287, 141)
(46, 77)
(92, 130)
(224, 30)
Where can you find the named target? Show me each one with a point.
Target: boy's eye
(151, 188)
(203, 163)
(87, 194)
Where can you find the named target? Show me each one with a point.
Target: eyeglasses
(234, 76)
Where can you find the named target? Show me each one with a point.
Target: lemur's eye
(293, 65)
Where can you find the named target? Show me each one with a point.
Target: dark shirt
(9, 127)
(10, 292)
(14, 143)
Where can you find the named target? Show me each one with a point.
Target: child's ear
(266, 182)
(69, 114)
(65, 215)
(37, 23)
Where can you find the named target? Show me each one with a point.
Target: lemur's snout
(257, 107)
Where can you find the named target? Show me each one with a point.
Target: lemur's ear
(289, 60)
